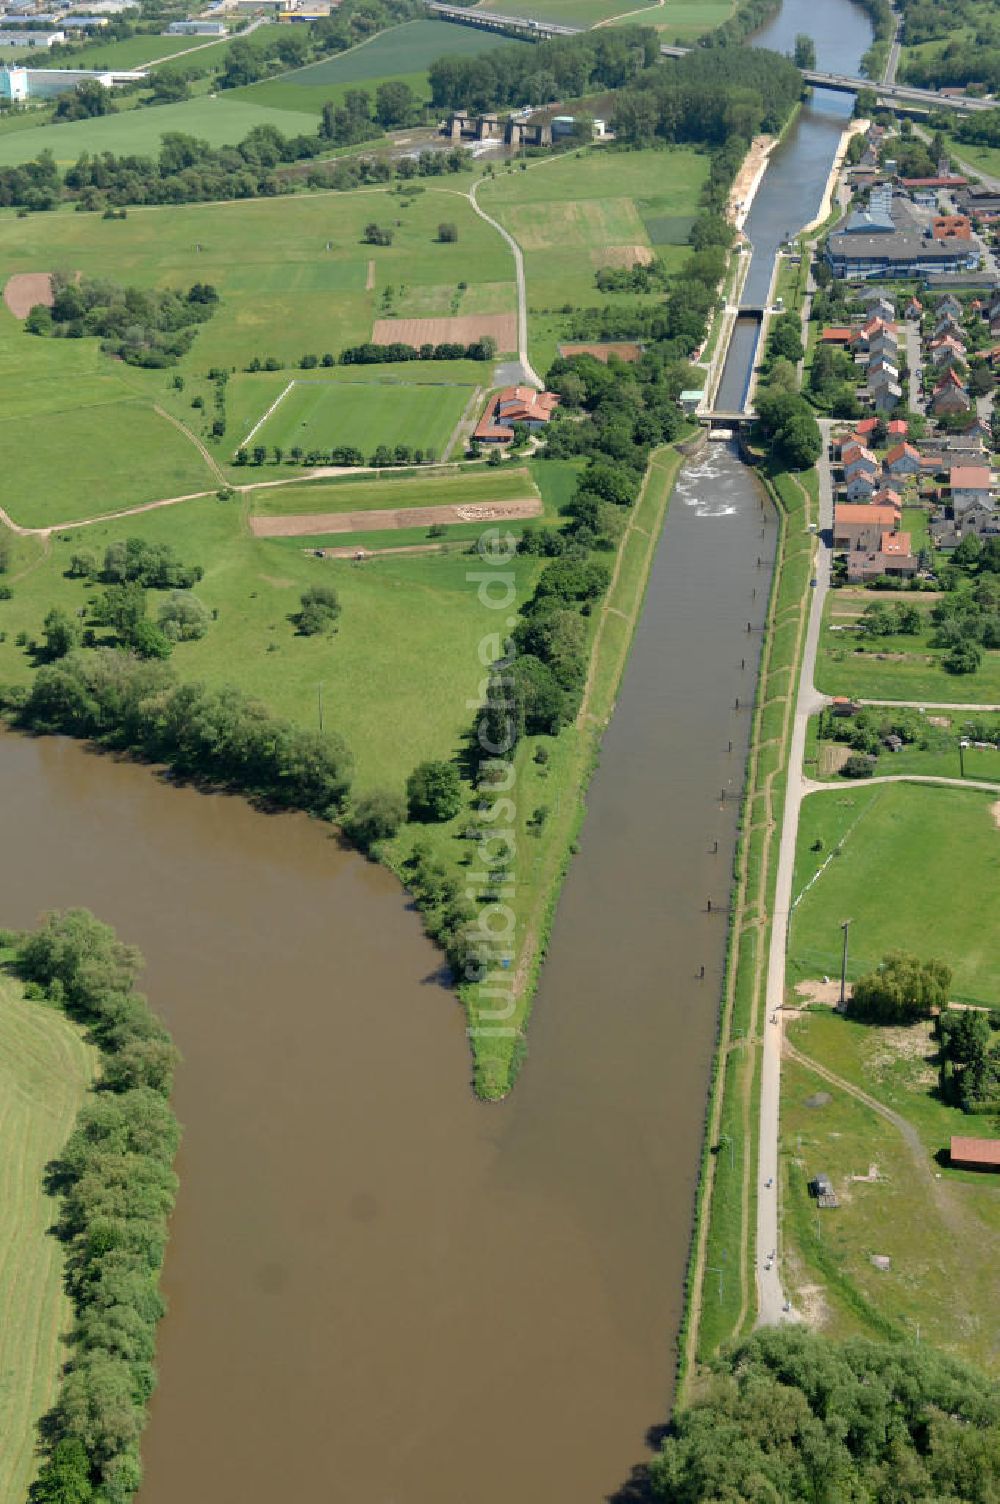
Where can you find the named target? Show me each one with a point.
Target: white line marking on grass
(261, 421)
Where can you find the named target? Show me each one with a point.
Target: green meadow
(582, 13)
(576, 213)
(322, 414)
(45, 1072)
(403, 52)
(876, 851)
(417, 489)
(894, 668)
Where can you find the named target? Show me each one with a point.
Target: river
(382, 1291)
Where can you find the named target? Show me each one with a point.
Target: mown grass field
(320, 415)
(403, 52)
(911, 867)
(940, 1228)
(397, 674)
(505, 484)
(582, 13)
(45, 1071)
(577, 213)
(682, 21)
(221, 120)
(298, 286)
(894, 668)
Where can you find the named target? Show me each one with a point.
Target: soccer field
(324, 414)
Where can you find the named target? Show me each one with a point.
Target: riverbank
(748, 179)
(856, 127)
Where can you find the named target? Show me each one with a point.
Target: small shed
(975, 1153)
(691, 400)
(821, 1186)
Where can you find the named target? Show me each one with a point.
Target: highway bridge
(840, 83)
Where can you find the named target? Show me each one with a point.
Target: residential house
(884, 344)
(866, 428)
(902, 460)
(893, 556)
(885, 399)
(515, 404)
(947, 324)
(976, 425)
(949, 396)
(837, 335)
(871, 329)
(898, 428)
(878, 306)
(946, 353)
(970, 485)
(885, 496)
(860, 487)
(881, 371)
(948, 304)
(862, 526)
(915, 309)
(863, 462)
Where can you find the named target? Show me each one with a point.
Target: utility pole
(319, 703)
(843, 965)
(961, 756)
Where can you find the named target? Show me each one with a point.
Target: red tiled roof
(980, 1151)
(899, 451)
(836, 335)
(970, 478)
(942, 182)
(898, 426)
(897, 544)
(862, 511)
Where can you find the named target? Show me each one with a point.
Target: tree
(376, 817)
(804, 55)
(434, 791)
(964, 658)
(394, 103)
(901, 990)
(320, 608)
(447, 231)
(801, 441)
(183, 618)
(147, 641)
(82, 565)
(375, 234)
(61, 633)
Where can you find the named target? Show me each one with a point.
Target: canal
(380, 1290)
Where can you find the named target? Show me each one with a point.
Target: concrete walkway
(770, 1294)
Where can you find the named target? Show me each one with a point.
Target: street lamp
(845, 926)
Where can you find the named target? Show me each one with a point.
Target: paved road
(770, 1294)
(892, 61)
(531, 376)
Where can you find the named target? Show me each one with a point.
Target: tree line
(563, 68)
(218, 736)
(116, 1189)
(711, 96)
(789, 1415)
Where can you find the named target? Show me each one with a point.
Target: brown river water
(381, 1290)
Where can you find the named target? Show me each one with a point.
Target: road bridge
(839, 83)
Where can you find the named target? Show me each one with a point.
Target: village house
(885, 496)
(915, 309)
(878, 306)
(948, 304)
(871, 330)
(946, 353)
(515, 404)
(860, 486)
(898, 428)
(884, 345)
(861, 526)
(837, 334)
(859, 461)
(903, 460)
(893, 557)
(949, 396)
(970, 485)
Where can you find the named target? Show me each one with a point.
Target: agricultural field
(303, 283)
(893, 668)
(863, 855)
(375, 493)
(322, 414)
(573, 215)
(220, 119)
(131, 52)
(683, 21)
(582, 13)
(45, 1072)
(938, 1228)
(403, 52)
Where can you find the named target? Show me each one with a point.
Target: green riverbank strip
(496, 1057)
(720, 1286)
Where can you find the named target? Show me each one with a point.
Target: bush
(859, 765)
(434, 792)
(376, 817)
(901, 990)
(320, 609)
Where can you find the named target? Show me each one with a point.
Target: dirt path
(308, 524)
(370, 278)
(193, 438)
(465, 421)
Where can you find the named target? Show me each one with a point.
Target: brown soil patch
(749, 170)
(832, 757)
(821, 992)
(370, 522)
(370, 279)
(624, 350)
(624, 256)
(25, 289)
(939, 720)
(352, 552)
(462, 329)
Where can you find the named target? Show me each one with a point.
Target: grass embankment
(870, 865)
(45, 1072)
(721, 1279)
(939, 1228)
